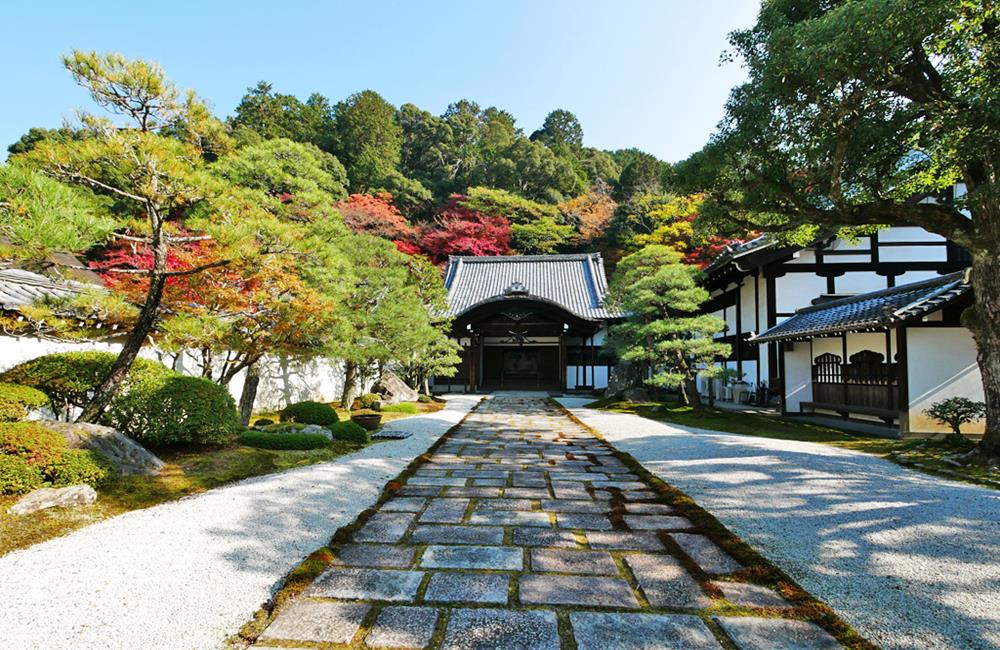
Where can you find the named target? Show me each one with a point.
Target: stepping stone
(444, 511)
(385, 527)
(589, 507)
(468, 587)
(585, 562)
(457, 535)
(403, 627)
(749, 595)
(366, 584)
(538, 589)
(750, 633)
(436, 480)
(404, 504)
(665, 582)
(545, 537)
(649, 508)
(476, 492)
(503, 504)
(489, 482)
(586, 522)
(497, 558)
(600, 631)
(575, 491)
(705, 553)
(491, 629)
(418, 491)
(657, 522)
(511, 518)
(319, 622)
(526, 493)
(624, 541)
(376, 555)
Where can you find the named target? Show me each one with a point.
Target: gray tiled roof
(19, 288)
(577, 283)
(869, 310)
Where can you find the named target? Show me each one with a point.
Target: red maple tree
(458, 230)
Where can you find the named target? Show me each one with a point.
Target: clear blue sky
(638, 73)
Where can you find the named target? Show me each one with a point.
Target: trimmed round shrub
(16, 400)
(176, 409)
(351, 432)
(31, 442)
(17, 476)
(425, 399)
(309, 413)
(77, 466)
(276, 440)
(402, 407)
(263, 422)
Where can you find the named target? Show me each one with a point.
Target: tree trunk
(249, 394)
(105, 392)
(350, 384)
(694, 398)
(985, 327)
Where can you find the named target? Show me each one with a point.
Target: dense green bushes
(156, 405)
(309, 413)
(16, 400)
(366, 401)
(279, 440)
(32, 456)
(351, 432)
(17, 476)
(31, 442)
(402, 407)
(79, 466)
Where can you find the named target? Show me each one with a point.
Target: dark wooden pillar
(562, 361)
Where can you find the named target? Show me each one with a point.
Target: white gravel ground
(912, 561)
(188, 574)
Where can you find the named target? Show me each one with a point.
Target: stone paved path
(524, 531)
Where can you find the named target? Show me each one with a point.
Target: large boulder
(393, 389)
(624, 376)
(126, 454)
(74, 495)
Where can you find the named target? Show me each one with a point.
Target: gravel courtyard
(189, 573)
(912, 561)
(525, 532)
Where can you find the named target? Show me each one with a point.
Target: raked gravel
(189, 573)
(911, 560)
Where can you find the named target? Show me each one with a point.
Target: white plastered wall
(798, 375)
(941, 363)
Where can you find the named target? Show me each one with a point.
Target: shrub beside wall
(310, 413)
(16, 400)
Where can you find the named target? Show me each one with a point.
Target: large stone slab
(124, 453)
(496, 558)
(375, 555)
(612, 631)
(583, 521)
(510, 518)
(445, 534)
(665, 582)
(705, 553)
(493, 629)
(403, 627)
(444, 511)
(461, 587)
(547, 560)
(624, 541)
(657, 522)
(385, 527)
(366, 584)
(44, 498)
(750, 633)
(318, 622)
(545, 537)
(750, 595)
(588, 591)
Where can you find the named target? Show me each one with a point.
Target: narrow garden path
(187, 574)
(524, 531)
(910, 560)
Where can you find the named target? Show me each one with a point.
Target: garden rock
(393, 389)
(315, 428)
(127, 455)
(74, 495)
(636, 395)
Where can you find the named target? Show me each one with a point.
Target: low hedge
(155, 404)
(16, 400)
(309, 413)
(351, 432)
(31, 442)
(366, 401)
(77, 466)
(18, 476)
(275, 440)
(402, 407)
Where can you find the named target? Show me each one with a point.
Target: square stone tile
(657, 522)
(403, 504)
(444, 511)
(583, 562)
(624, 541)
(545, 537)
(526, 493)
(705, 553)
(366, 584)
(385, 527)
(503, 504)
(607, 631)
(510, 518)
(750, 595)
(496, 629)
(575, 491)
(587, 507)
(319, 622)
(529, 480)
(750, 633)
(649, 508)
(457, 535)
(376, 555)
(403, 627)
(586, 522)
(548, 589)
(665, 582)
(499, 558)
(468, 587)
